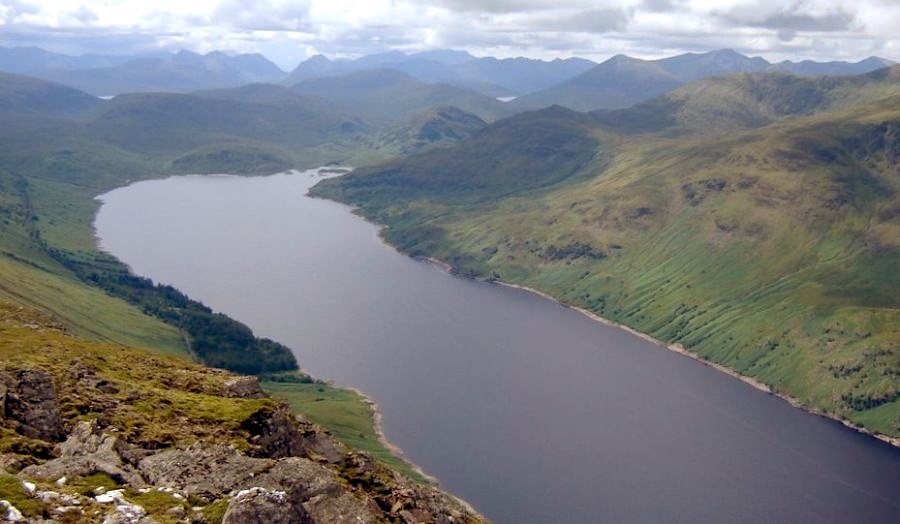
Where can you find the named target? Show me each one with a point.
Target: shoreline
(378, 425)
(679, 349)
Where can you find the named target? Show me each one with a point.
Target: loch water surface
(529, 410)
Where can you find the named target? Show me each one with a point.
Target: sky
(288, 31)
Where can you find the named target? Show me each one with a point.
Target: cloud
(289, 30)
(505, 6)
(795, 17)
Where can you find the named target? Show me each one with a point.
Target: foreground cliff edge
(93, 432)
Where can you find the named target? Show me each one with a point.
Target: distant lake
(529, 410)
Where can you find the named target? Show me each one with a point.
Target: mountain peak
(318, 59)
(620, 58)
(726, 52)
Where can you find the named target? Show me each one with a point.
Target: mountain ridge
(622, 81)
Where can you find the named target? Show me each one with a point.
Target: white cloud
(289, 30)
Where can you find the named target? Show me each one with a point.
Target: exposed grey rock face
(243, 387)
(316, 490)
(30, 399)
(86, 451)
(263, 506)
(208, 471)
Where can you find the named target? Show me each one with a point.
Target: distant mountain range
(575, 83)
(111, 75)
(491, 76)
(389, 96)
(623, 81)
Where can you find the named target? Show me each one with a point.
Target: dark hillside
(389, 97)
(524, 152)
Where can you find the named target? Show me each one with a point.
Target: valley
(742, 211)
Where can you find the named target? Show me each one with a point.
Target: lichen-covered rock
(204, 470)
(316, 489)
(87, 450)
(243, 387)
(264, 506)
(402, 499)
(31, 401)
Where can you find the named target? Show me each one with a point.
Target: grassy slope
(773, 251)
(29, 276)
(154, 401)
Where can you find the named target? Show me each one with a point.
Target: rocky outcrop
(86, 451)
(278, 433)
(243, 387)
(29, 398)
(206, 471)
(315, 491)
(263, 506)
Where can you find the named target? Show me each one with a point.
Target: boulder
(10, 513)
(314, 490)
(87, 450)
(263, 506)
(278, 433)
(31, 400)
(243, 387)
(205, 470)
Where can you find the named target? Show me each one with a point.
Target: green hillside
(437, 127)
(748, 101)
(619, 82)
(771, 248)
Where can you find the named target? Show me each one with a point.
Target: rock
(263, 506)
(115, 496)
(204, 470)
(86, 451)
(177, 512)
(3, 389)
(243, 387)
(11, 462)
(320, 444)
(127, 513)
(10, 513)
(31, 400)
(278, 433)
(315, 489)
(416, 516)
